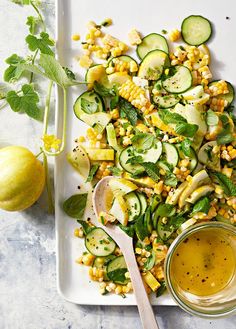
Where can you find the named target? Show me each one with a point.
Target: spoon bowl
(126, 245)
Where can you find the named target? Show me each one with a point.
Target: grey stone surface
(28, 295)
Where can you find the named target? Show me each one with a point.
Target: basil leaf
(85, 226)
(186, 147)
(127, 110)
(142, 141)
(150, 262)
(202, 205)
(75, 205)
(115, 171)
(88, 107)
(165, 210)
(103, 91)
(186, 129)
(152, 170)
(118, 275)
(171, 180)
(170, 117)
(228, 186)
(212, 119)
(129, 230)
(92, 172)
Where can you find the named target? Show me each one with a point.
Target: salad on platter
(162, 125)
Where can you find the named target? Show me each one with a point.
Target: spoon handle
(144, 307)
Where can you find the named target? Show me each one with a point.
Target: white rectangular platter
(147, 16)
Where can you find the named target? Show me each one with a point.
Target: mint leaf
(212, 119)
(118, 275)
(33, 23)
(115, 99)
(92, 172)
(225, 182)
(115, 171)
(43, 43)
(165, 210)
(140, 229)
(142, 141)
(202, 205)
(169, 117)
(26, 102)
(186, 147)
(104, 91)
(186, 129)
(152, 170)
(171, 180)
(135, 159)
(128, 111)
(88, 107)
(75, 205)
(150, 262)
(224, 138)
(129, 230)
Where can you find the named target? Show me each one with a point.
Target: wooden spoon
(126, 245)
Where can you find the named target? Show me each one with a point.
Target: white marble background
(28, 296)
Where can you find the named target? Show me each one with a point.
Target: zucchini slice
(143, 202)
(170, 153)
(196, 30)
(165, 101)
(192, 158)
(88, 103)
(152, 65)
(96, 73)
(122, 58)
(229, 97)
(151, 42)
(180, 81)
(153, 154)
(99, 243)
(133, 204)
(116, 270)
(125, 155)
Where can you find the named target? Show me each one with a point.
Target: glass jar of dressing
(200, 269)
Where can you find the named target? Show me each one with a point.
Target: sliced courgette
(143, 202)
(125, 155)
(196, 30)
(164, 231)
(99, 243)
(96, 73)
(166, 101)
(116, 270)
(170, 154)
(89, 102)
(152, 65)
(229, 97)
(122, 58)
(133, 204)
(192, 158)
(151, 42)
(209, 158)
(180, 81)
(153, 154)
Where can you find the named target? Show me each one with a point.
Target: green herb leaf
(165, 210)
(43, 43)
(186, 129)
(92, 172)
(171, 180)
(150, 262)
(212, 119)
(186, 147)
(85, 226)
(75, 205)
(152, 170)
(129, 230)
(142, 142)
(128, 111)
(226, 183)
(169, 117)
(224, 138)
(161, 289)
(140, 229)
(118, 275)
(202, 205)
(115, 99)
(33, 23)
(115, 171)
(103, 91)
(88, 107)
(135, 159)
(26, 103)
